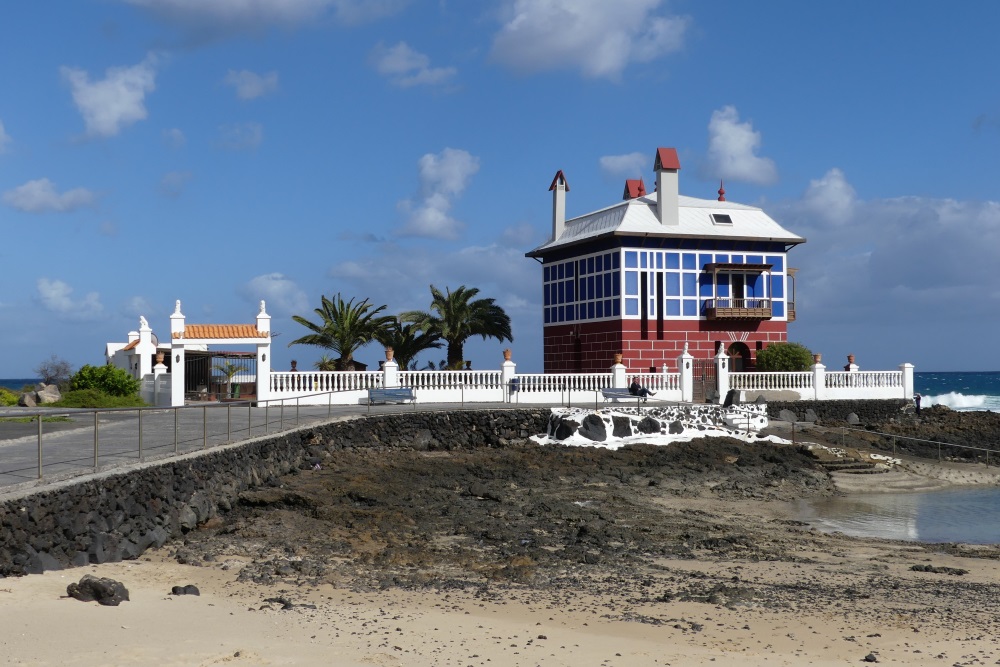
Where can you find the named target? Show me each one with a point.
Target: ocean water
(959, 391)
(17, 384)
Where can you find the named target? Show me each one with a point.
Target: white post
(722, 372)
(685, 364)
(819, 380)
(177, 357)
(390, 374)
(264, 356)
(508, 371)
(619, 379)
(158, 370)
(907, 371)
(145, 349)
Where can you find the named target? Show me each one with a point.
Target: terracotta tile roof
(132, 345)
(218, 331)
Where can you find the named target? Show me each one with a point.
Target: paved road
(68, 447)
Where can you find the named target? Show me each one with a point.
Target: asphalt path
(128, 436)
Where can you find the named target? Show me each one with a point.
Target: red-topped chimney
(634, 187)
(666, 166)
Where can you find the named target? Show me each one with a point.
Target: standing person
(637, 389)
(916, 402)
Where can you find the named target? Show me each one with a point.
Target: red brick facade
(590, 347)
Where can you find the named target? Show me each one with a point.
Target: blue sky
(225, 152)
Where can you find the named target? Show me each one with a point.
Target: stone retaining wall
(116, 516)
(868, 411)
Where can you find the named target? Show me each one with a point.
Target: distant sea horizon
(17, 384)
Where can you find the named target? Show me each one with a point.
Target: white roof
(637, 217)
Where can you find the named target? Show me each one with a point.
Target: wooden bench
(398, 395)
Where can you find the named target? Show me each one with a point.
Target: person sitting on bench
(637, 389)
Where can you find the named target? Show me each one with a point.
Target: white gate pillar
(722, 372)
(145, 349)
(264, 355)
(177, 357)
(390, 371)
(685, 365)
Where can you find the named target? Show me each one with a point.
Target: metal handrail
(939, 444)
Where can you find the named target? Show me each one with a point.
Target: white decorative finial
(685, 347)
(177, 308)
(143, 324)
(262, 306)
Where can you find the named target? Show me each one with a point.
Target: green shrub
(8, 397)
(784, 357)
(106, 379)
(94, 398)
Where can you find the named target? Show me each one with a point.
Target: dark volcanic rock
(593, 428)
(107, 592)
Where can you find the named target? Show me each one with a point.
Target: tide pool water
(965, 515)
(959, 391)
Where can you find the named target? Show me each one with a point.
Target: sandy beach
(649, 574)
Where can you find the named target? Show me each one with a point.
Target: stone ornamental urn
(388, 353)
(850, 358)
(159, 357)
(507, 354)
(618, 357)
(817, 358)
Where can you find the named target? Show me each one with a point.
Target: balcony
(791, 311)
(738, 309)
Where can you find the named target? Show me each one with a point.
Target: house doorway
(739, 357)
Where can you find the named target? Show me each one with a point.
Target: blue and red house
(659, 271)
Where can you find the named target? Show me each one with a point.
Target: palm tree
(344, 327)
(456, 317)
(407, 341)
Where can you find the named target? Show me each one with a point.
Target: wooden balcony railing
(791, 311)
(738, 309)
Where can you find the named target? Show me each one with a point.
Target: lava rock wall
(117, 516)
(868, 411)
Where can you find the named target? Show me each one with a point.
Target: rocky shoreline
(550, 518)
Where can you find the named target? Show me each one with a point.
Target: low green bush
(107, 379)
(8, 398)
(784, 357)
(94, 398)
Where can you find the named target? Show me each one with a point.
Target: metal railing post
(297, 399)
(39, 446)
(95, 439)
(204, 427)
(229, 422)
(281, 416)
(267, 419)
(329, 404)
(140, 434)
(176, 410)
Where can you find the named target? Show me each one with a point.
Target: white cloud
(117, 100)
(241, 136)
(173, 182)
(40, 196)
(731, 150)
(222, 17)
(443, 176)
(281, 294)
(405, 67)
(250, 85)
(597, 37)
(57, 297)
(4, 138)
(136, 306)
(629, 165)
(173, 137)
(831, 198)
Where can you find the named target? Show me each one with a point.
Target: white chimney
(559, 188)
(666, 167)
